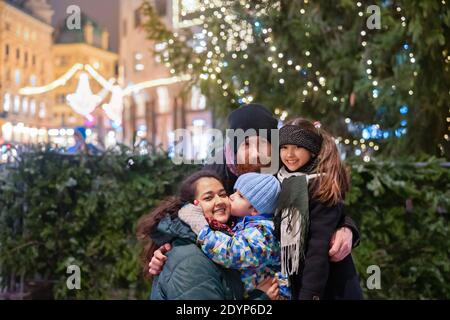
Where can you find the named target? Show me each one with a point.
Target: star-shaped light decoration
(83, 101)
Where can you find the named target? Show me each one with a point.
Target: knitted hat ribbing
(261, 190)
(251, 116)
(290, 134)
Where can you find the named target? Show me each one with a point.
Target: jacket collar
(169, 229)
(259, 217)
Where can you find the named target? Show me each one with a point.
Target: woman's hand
(270, 287)
(341, 244)
(159, 259)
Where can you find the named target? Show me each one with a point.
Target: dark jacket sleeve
(257, 294)
(314, 276)
(184, 284)
(347, 221)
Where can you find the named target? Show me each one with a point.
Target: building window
(124, 27)
(33, 60)
(62, 61)
(161, 7)
(17, 53)
(62, 98)
(26, 58)
(25, 105)
(7, 51)
(16, 104)
(140, 101)
(137, 18)
(198, 101)
(163, 99)
(33, 107)
(198, 122)
(17, 76)
(33, 80)
(7, 26)
(160, 47)
(42, 110)
(7, 102)
(138, 65)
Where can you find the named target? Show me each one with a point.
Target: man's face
(78, 137)
(253, 154)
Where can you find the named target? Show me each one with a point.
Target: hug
(232, 232)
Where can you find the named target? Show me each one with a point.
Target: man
(248, 156)
(81, 145)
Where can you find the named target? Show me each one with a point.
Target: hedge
(402, 210)
(58, 210)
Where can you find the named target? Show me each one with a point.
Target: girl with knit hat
(314, 183)
(250, 246)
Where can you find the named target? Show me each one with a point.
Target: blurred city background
(47, 89)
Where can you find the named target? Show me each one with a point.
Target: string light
(235, 34)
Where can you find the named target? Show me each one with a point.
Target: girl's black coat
(318, 277)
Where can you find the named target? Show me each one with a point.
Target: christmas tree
(376, 75)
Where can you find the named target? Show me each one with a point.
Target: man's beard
(246, 168)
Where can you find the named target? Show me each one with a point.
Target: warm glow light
(55, 84)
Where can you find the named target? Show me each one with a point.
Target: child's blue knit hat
(261, 190)
(81, 131)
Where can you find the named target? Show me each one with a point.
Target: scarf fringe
(293, 241)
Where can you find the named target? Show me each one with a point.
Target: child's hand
(193, 216)
(270, 287)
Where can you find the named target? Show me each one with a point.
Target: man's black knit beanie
(252, 116)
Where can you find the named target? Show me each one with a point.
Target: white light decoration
(42, 110)
(33, 107)
(16, 104)
(114, 108)
(7, 102)
(83, 101)
(155, 83)
(7, 130)
(57, 83)
(198, 101)
(25, 105)
(185, 6)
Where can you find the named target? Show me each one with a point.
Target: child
(314, 183)
(251, 246)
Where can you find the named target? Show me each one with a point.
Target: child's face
(240, 206)
(294, 157)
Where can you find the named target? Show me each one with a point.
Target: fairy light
(279, 61)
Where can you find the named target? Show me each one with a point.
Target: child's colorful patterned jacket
(252, 249)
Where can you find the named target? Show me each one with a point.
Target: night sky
(105, 12)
